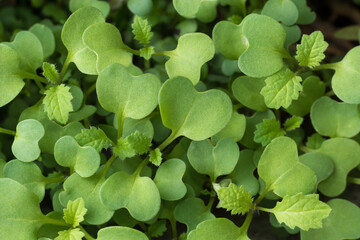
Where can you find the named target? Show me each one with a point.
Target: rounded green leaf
(46, 37)
(247, 91)
(214, 229)
(126, 95)
(26, 143)
(265, 52)
(313, 88)
(84, 160)
(191, 212)
(139, 195)
(28, 174)
(342, 223)
(120, 233)
(335, 119)
(71, 37)
(321, 164)
(103, 6)
(21, 217)
(168, 179)
(235, 128)
(280, 168)
(193, 50)
(105, 40)
(89, 191)
(187, 8)
(346, 80)
(306, 16)
(345, 156)
(140, 7)
(284, 11)
(214, 160)
(226, 37)
(190, 113)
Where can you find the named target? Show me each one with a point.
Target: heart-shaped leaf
(119, 92)
(346, 79)
(105, 40)
(280, 168)
(193, 50)
(168, 179)
(214, 160)
(26, 143)
(284, 11)
(342, 223)
(190, 113)
(71, 37)
(140, 7)
(335, 119)
(205, 11)
(28, 174)
(83, 160)
(191, 212)
(46, 37)
(89, 191)
(120, 233)
(235, 128)
(306, 16)
(137, 194)
(104, 7)
(345, 156)
(218, 228)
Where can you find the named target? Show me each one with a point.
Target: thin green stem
(53, 221)
(49, 180)
(211, 203)
(173, 228)
(7, 131)
(87, 235)
(32, 76)
(305, 149)
(90, 90)
(245, 227)
(167, 141)
(262, 195)
(133, 51)
(263, 209)
(107, 165)
(120, 124)
(147, 64)
(65, 67)
(141, 166)
(353, 180)
(332, 66)
(164, 53)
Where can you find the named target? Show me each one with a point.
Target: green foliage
(142, 30)
(284, 11)
(311, 50)
(93, 137)
(74, 212)
(155, 157)
(235, 199)
(268, 130)
(57, 103)
(303, 211)
(50, 72)
(71, 234)
(293, 123)
(281, 89)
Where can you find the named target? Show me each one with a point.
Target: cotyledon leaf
(103, 6)
(120, 233)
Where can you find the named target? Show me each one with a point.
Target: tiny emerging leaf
(293, 123)
(281, 88)
(303, 211)
(93, 137)
(57, 103)
(71, 234)
(267, 131)
(235, 199)
(50, 72)
(147, 52)
(311, 50)
(142, 30)
(155, 157)
(74, 212)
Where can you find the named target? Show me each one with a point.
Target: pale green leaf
(74, 212)
(235, 199)
(142, 30)
(311, 50)
(293, 123)
(57, 103)
(147, 52)
(267, 131)
(315, 141)
(155, 157)
(50, 72)
(281, 89)
(303, 211)
(71, 234)
(124, 149)
(139, 142)
(93, 137)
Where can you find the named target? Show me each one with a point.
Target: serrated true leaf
(71, 234)
(281, 89)
(311, 50)
(50, 72)
(155, 157)
(315, 141)
(74, 212)
(147, 52)
(93, 137)
(235, 199)
(57, 103)
(124, 149)
(293, 123)
(158, 229)
(303, 211)
(267, 131)
(142, 30)
(139, 142)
